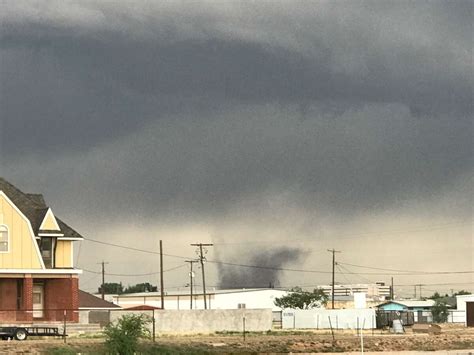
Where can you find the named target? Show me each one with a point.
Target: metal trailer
(22, 333)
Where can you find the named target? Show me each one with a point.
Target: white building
(376, 290)
(464, 312)
(216, 299)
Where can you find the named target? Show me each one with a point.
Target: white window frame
(4, 227)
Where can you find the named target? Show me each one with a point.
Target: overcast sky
(276, 130)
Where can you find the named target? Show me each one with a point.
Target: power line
(405, 272)
(133, 275)
(86, 282)
(202, 259)
(134, 249)
(333, 251)
(191, 276)
(342, 273)
(209, 261)
(411, 272)
(269, 267)
(441, 284)
(162, 287)
(355, 274)
(102, 289)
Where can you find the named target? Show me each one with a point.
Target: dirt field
(452, 338)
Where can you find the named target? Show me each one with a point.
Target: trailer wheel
(21, 334)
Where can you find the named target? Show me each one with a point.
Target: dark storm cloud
(245, 123)
(348, 106)
(93, 72)
(265, 276)
(350, 162)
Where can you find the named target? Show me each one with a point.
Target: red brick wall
(75, 298)
(61, 295)
(8, 297)
(27, 300)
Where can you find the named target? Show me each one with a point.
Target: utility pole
(391, 291)
(333, 251)
(162, 289)
(191, 275)
(202, 259)
(419, 285)
(102, 288)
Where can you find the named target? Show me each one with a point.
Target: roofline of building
(41, 271)
(214, 292)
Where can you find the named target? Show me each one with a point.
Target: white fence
(205, 321)
(327, 318)
(456, 316)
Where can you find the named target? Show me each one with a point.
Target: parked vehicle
(22, 333)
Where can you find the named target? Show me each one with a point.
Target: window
(241, 305)
(4, 239)
(47, 248)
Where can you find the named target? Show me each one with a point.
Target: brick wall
(27, 300)
(61, 295)
(8, 297)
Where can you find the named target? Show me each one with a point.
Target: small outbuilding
(465, 306)
(407, 305)
(93, 309)
(421, 310)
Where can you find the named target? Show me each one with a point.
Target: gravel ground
(451, 339)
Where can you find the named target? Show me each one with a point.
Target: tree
(112, 288)
(143, 287)
(299, 299)
(440, 311)
(462, 292)
(435, 296)
(122, 336)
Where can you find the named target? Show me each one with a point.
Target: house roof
(465, 296)
(87, 300)
(143, 307)
(34, 208)
(411, 303)
(198, 293)
(450, 301)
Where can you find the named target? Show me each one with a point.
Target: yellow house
(38, 281)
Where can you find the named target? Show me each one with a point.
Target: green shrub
(122, 336)
(440, 312)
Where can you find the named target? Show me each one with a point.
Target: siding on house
(22, 253)
(49, 222)
(64, 254)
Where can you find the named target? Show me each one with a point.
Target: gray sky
(258, 126)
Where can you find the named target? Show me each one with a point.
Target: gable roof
(87, 300)
(34, 208)
(410, 303)
(142, 307)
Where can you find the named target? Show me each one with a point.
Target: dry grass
(451, 338)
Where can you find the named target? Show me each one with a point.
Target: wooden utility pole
(103, 279)
(162, 287)
(202, 259)
(392, 292)
(333, 251)
(191, 275)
